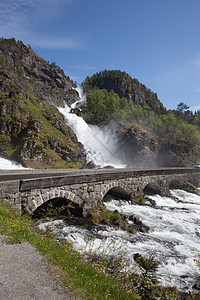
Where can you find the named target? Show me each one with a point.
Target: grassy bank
(79, 276)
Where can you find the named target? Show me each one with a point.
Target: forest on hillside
(114, 94)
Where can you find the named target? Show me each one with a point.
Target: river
(174, 236)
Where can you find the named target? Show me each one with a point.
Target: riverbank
(79, 276)
(81, 279)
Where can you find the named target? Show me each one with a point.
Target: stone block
(46, 196)
(71, 196)
(30, 197)
(43, 191)
(17, 206)
(38, 201)
(87, 205)
(85, 196)
(97, 195)
(32, 205)
(57, 192)
(62, 193)
(77, 200)
(66, 195)
(97, 188)
(52, 194)
(79, 192)
(85, 189)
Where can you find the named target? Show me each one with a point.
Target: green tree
(181, 107)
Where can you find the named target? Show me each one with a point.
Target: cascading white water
(100, 144)
(174, 236)
(6, 164)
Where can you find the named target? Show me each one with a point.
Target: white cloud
(195, 108)
(84, 67)
(55, 43)
(21, 18)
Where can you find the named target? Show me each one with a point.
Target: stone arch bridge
(26, 190)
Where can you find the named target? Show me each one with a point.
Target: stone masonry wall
(88, 195)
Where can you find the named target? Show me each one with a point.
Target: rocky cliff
(125, 86)
(32, 131)
(148, 134)
(138, 146)
(21, 67)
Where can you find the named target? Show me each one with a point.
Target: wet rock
(196, 286)
(139, 225)
(144, 228)
(151, 201)
(137, 221)
(131, 217)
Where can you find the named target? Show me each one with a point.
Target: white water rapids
(174, 236)
(100, 143)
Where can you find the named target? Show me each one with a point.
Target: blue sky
(155, 41)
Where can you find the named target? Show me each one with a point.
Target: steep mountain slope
(27, 70)
(31, 130)
(125, 86)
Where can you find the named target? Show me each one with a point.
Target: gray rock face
(137, 147)
(26, 70)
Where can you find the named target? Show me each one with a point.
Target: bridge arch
(57, 206)
(117, 189)
(152, 188)
(40, 197)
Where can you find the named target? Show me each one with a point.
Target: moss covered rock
(34, 133)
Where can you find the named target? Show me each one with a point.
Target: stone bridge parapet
(86, 188)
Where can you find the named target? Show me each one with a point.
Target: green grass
(78, 275)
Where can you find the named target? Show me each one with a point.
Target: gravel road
(24, 274)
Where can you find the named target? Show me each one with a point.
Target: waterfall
(100, 143)
(6, 164)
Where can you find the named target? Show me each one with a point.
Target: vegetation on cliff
(32, 131)
(173, 136)
(125, 87)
